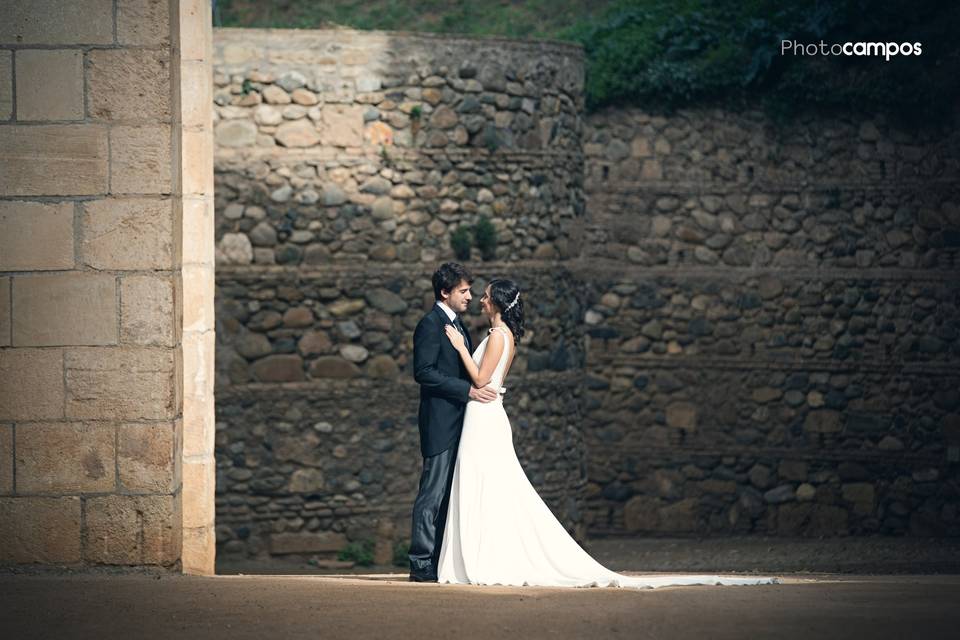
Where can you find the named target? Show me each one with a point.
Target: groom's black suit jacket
(444, 383)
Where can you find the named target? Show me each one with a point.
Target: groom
(445, 388)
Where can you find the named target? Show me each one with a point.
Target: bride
(498, 529)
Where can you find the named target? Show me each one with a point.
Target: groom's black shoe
(422, 577)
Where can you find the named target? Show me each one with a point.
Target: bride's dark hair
(503, 292)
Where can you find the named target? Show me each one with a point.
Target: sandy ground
(380, 607)
(861, 555)
(58, 602)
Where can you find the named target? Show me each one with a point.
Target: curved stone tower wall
(344, 161)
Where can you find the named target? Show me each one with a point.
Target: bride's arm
(491, 355)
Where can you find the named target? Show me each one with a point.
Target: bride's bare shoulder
(505, 334)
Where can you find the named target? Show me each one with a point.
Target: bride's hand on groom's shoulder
(456, 338)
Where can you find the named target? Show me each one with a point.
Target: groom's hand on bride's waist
(484, 394)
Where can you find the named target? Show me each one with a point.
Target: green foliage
(360, 552)
(668, 54)
(682, 53)
(527, 19)
(486, 237)
(401, 554)
(482, 235)
(460, 242)
(416, 111)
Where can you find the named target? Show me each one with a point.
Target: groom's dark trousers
(444, 392)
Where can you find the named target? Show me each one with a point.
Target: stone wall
(772, 327)
(345, 160)
(106, 263)
(752, 327)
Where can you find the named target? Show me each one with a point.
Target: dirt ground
(59, 602)
(864, 555)
(378, 607)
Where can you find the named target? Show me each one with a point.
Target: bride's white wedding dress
(498, 529)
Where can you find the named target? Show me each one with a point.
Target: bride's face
(486, 304)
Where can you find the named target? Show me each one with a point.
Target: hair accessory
(510, 306)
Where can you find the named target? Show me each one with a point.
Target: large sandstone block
(65, 457)
(823, 421)
(198, 492)
(57, 22)
(129, 84)
(325, 541)
(122, 383)
(131, 529)
(642, 513)
(198, 411)
(6, 458)
(6, 85)
(197, 291)
(682, 415)
(196, 162)
(278, 368)
(64, 309)
(4, 312)
(862, 495)
(196, 76)
(195, 29)
(143, 22)
(38, 529)
(53, 160)
(303, 448)
(235, 133)
(147, 312)
(128, 233)
(198, 231)
(198, 553)
(140, 160)
(31, 384)
(145, 457)
(49, 84)
(341, 125)
(298, 133)
(35, 236)
(679, 516)
(810, 519)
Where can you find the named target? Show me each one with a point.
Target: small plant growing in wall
(416, 119)
(401, 554)
(486, 237)
(490, 139)
(460, 242)
(360, 552)
(482, 235)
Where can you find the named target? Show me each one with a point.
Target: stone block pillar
(106, 283)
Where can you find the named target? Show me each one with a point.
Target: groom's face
(459, 298)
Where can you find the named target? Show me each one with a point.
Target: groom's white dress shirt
(447, 310)
(450, 314)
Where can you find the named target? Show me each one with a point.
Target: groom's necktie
(459, 326)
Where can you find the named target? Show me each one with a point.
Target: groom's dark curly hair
(447, 276)
(503, 292)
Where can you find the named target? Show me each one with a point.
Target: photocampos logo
(885, 49)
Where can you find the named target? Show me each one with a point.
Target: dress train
(499, 531)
